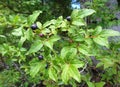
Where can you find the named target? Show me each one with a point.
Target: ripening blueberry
(41, 35)
(40, 57)
(34, 26)
(68, 18)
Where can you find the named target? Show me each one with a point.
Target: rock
(116, 38)
(112, 4)
(117, 15)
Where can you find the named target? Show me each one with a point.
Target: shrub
(58, 53)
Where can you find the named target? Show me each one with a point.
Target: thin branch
(84, 68)
(17, 67)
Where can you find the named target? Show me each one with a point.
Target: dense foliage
(39, 47)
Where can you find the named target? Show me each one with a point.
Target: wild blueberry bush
(60, 52)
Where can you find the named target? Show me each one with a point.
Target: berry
(34, 27)
(41, 35)
(40, 57)
(68, 18)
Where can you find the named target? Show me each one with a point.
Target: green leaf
(98, 30)
(45, 31)
(67, 50)
(22, 40)
(34, 70)
(39, 25)
(65, 73)
(108, 32)
(90, 84)
(48, 23)
(99, 64)
(72, 52)
(99, 84)
(77, 63)
(84, 50)
(17, 32)
(74, 13)
(59, 22)
(107, 62)
(29, 34)
(15, 19)
(36, 46)
(70, 71)
(49, 44)
(80, 14)
(63, 24)
(101, 41)
(54, 38)
(72, 29)
(36, 66)
(2, 36)
(52, 74)
(74, 73)
(78, 22)
(54, 31)
(79, 38)
(32, 18)
(85, 12)
(64, 51)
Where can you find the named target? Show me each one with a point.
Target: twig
(17, 67)
(84, 68)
